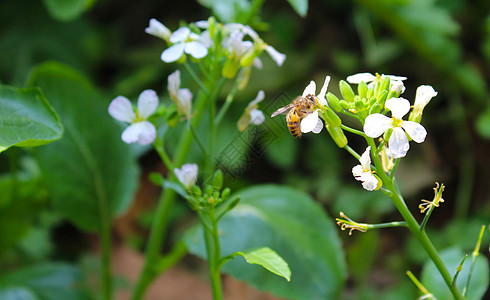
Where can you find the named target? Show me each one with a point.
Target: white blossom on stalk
(140, 130)
(363, 172)
(377, 124)
(181, 97)
(252, 114)
(312, 122)
(422, 97)
(184, 41)
(157, 29)
(187, 174)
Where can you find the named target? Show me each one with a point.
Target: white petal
(398, 143)
(365, 159)
(357, 78)
(321, 96)
(173, 82)
(147, 134)
(205, 39)
(173, 53)
(147, 103)
(185, 98)
(376, 124)
(319, 126)
(357, 172)
(142, 132)
(394, 78)
(158, 29)
(370, 182)
(121, 109)
(398, 106)
(202, 24)
(248, 30)
(423, 95)
(187, 174)
(416, 131)
(257, 63)
(310, 89)
(398, 86)
(309, 122)
(196, 49)
(259, 98)
(275, 55)
(256, 117)
(180, 35)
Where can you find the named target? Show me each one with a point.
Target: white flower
(140, 130)
(184, 41)
(252, 114)
(278, 57)
(187, 174)
(312, 123)
(158, 29)
(368, 77)
(422, 97)
(363, 172)
(376, 124)
(181, 97)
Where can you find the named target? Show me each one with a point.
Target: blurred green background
(445, 44)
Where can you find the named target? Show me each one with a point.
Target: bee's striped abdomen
(293, 124)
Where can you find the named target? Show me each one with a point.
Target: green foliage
(452, 257)
(64, 10)
(483, 124)
(90, 172)
(290, 223)
(26, 118)
(42, 282)
(268, 259)
(300, 6)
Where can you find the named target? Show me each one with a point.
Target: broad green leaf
(42, 282)
(452, 257)
(268, 259)
(289, 222)
(67, 10)
(90, 172)
(300, 6)
(26, 118)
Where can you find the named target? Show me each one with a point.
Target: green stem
(196, 79)
(352, 152)
(165, 204)
(106, 260)
(413, 225)
(352, 130)
(393, 170)
(226, 105)
(211, 238)
(386, 225)
(348, 113)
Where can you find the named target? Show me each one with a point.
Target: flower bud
(230, 68)
(249, 56)
(346, 91)
(359, 105)
(333, 101)
(362, 89)
(196, 191)
(376, 108)
(380, 183)
(243, 77)
(344, 104)
(337, 135)
(218, 179)
(225, 194)
(331, 117)
(382, 96)
(385, 85)
(422, 97)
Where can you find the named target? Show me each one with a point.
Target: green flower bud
(208, 192)
(346, 91)
(233, 203)
(362, 89)
(382, 96)
(333, 101)
(226, 193)
(375, 109)
(359, 105)
(249, 56)
(337, 135)
(218, 179)
(212, 27)
(230, 68)
(385, 84)
(331, 118)
(344, 104)
(370, 93)
(196, 191)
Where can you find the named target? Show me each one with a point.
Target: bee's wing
(283, 109)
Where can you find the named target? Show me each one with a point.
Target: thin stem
(177, 252)
(348, 113)
(393, 170)
(195, 77)
(426, 218)
(386, 225)
(211, 239)
(352, 130)
(418, 283)
(352, 152)
(380, 146)
(226, 105)
(474, 255)
(414, 226)
(197, 139)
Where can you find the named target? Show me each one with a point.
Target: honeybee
(299, 108)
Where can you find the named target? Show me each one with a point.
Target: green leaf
(90, 172)
(26, 118)
(452, 257)
(42, 282)
(267, 258)
(483, 124)
(300, 6)
(67, 10)
(288, 221)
